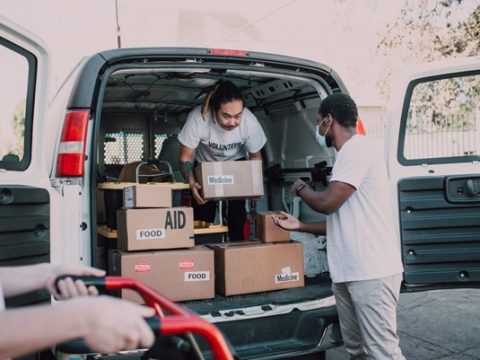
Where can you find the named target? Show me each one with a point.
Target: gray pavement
(440, 325)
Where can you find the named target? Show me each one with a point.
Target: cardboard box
(154, 229)
(180, 275)
(267, 230)
(230, 179)
(147, 196)
(113, 194)
(249, 267)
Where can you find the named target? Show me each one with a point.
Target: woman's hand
(195, 187)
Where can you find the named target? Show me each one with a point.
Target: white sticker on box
(142, 266)
(150, 234)
(128, 197)
(220, 180)
(197, 275)
(285, 278)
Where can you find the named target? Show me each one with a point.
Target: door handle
(473, 187)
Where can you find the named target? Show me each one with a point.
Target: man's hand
(286, 221)
(67, 288)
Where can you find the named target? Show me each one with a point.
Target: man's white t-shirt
(362, 241)
(213, 143)
(2, 299)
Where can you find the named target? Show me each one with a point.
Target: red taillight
(360, 127)
(228, 52)
(71, 151)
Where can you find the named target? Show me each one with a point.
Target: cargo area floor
(315, 288)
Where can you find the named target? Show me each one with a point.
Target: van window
(16, 105)
(443, 120)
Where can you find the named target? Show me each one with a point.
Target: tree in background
(15, 144)
(429, 30)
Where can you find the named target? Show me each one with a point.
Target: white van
(119, 106)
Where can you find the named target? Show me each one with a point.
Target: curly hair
(342, 108)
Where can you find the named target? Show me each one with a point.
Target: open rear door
(24, 182)
(434, 163)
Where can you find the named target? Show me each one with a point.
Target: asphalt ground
(440, 325)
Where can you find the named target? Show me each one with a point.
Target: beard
(328, 141)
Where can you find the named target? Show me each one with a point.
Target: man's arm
(290, 222)
(327, 201)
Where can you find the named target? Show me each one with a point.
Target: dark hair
(342, 108)
(222, 92)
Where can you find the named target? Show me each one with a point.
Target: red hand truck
(179, 319)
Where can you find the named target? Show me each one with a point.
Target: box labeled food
(250, 267)
(147, 196)
(155, 229)
(267, 230)
(180, 275)
(230, 179)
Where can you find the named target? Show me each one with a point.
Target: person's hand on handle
(286, 221)
(110, 325)
(67, 288)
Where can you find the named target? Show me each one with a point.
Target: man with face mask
(362, 247)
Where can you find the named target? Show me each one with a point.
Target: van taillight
(360, 127)
(71, 151)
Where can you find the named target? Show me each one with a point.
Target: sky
(341, 34)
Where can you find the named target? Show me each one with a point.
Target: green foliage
(429, 30)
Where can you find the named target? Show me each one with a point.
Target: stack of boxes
(156, 245)
(156, 241)
(271, 263)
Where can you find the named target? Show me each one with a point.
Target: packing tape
(217, 170)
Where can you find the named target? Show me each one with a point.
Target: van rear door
(24, 168)
(434, 163)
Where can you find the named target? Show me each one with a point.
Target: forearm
(22, 279)
(27, 330)
(255, 156)
(186, 168)
(315, 200)
(319, 228)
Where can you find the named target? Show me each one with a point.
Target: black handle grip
(97, 281)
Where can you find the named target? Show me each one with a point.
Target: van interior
(144, 109)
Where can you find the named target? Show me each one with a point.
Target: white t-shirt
(362, 242)
(2, 299)
(213, 143)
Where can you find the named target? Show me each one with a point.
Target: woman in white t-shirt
(221, 129)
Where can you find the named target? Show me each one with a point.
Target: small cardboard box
(147, 196)
(154, 229)
(250, 267)
(267, 230)
(230, 179)
(180, 275)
